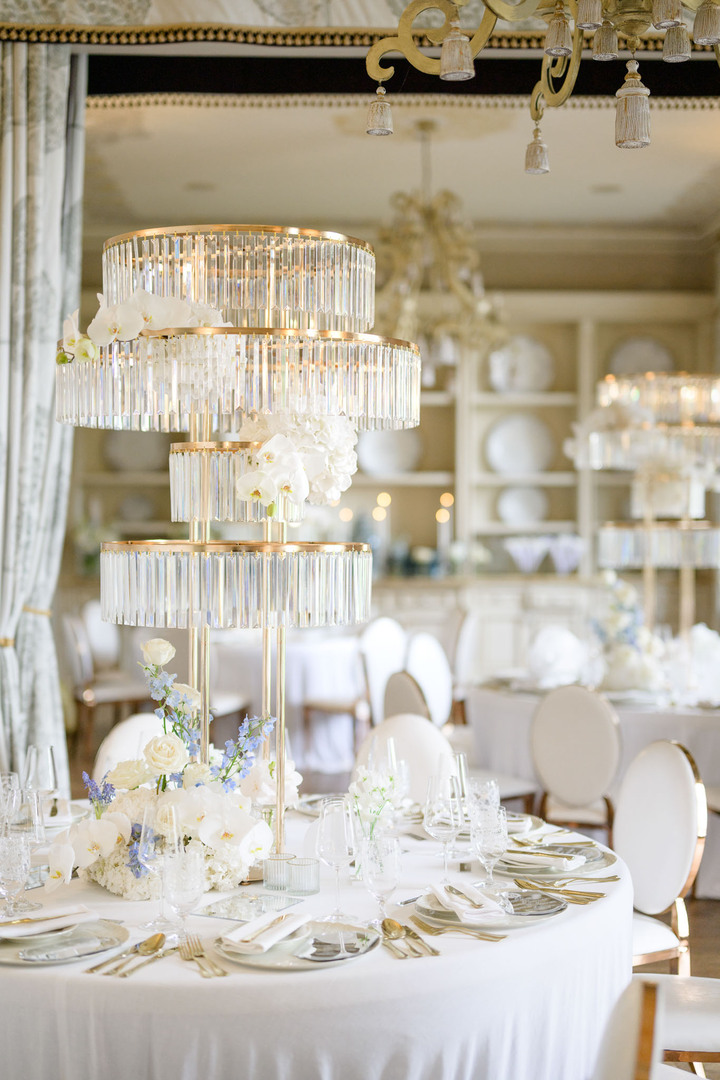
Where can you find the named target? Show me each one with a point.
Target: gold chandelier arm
(482, 35)
(716, 50)
(564, 68)
(537, 103)
(405, 42)
(512, 12)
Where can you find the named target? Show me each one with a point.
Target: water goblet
(380, 860)
(490, 839)
(184, 883)
(9, 799)
(443, 815)
(14, 870)
(482, 793)
(336, 843)
(158, 838)
(40, 774)
(26, 823)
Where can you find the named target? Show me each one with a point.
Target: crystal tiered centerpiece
(262, 330)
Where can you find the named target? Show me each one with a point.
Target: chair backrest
(631, 1046)
(418, 742)
(575, 745)
(103, 637)
(403, 695)
(468, 667)
(125, 741)
(382, 648)
(660, 824)
(428, 664)
(77, 647)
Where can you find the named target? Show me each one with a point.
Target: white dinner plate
(76, 812)
(520, 443)
(521, 365)
(292, 954)
(89, 939)
(636, 355)
(522, 506)
(596, 858)
(522, 823)
(534, 905)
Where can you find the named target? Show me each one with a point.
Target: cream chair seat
(575, 746)
(691, 1024)
(418, 742)
(631, 1045)
(660, 827)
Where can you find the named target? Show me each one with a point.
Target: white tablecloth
(319, 665)
(532, 1007)
(500, 724)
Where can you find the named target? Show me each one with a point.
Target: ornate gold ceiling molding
(300, 37)
(348, 101)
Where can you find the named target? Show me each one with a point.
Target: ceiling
(306, 160)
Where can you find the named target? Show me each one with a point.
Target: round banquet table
(531, 1007)
(500, 723)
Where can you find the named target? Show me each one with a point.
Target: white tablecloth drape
(532, 1007)
(500, 723)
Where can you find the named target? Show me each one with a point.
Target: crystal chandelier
(428, 250)
(614, 24)
(295, 308)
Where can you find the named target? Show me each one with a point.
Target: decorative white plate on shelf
(518, 506)
(521, 365)
(136, 450)
(640, 354)
(519, 443)
(527, 907)
(381, 452)
(315, 945)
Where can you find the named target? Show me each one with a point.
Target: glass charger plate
(88, 939)
(596, 858)
(527, 907)
(313, 946)
(310, 804)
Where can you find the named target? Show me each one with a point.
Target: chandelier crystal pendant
(567, 23)
(283, 350)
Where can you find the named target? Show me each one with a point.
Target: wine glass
(460, 768)
(490, 839)
(9, 799)
(336, 843)
(14, 870)
(380, 860)
(443, 814)
(157, 839)
(183, 882)
(40, 774)
(26, 825)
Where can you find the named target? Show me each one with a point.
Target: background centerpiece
(264, 333)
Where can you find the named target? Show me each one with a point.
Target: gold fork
(437, 930)
(571, 896)
(199, 954)
(587, 880)
(186, 953)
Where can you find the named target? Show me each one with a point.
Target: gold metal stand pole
(199, 631)
(280, 727)
(266, 645)
(687, 600)
(649, 572)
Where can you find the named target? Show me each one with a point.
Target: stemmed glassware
(14, 870)
(25, 833)
(183, 882)
(490, 839)
(158, 839)
(380, 860)
(40, 774)
(9, 799)
(336, 843)
(443, 815)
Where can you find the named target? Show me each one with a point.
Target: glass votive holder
(276, 871)
(304, 876)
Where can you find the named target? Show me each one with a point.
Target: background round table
(531, 1007)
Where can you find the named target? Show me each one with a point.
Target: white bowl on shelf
(381, 452)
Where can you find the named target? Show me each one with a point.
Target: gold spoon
(145, 948)
(395, 932)
(123, 955)
(414, 942)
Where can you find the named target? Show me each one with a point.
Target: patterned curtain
(42, 92)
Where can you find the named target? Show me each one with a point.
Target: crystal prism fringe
(668, 546)
(672, 399)
(630, 448)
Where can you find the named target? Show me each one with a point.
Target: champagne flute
(381, 868)
(490, 839)
(40, 774)
(184, 883)
(336, 843)
(460, 768)
(443, 815)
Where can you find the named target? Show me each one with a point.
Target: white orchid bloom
(122, 823)
(86, 350)
(122, 322)
(71, 331)
(257, 486)
(61, 858)
(93, 839)
(257, 843)
(229, 825)
(292, 483)
(205, 315)
(276, 451)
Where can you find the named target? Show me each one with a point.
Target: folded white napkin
(263, 941)
(45, 920)
(490, 908)
(516, 826)
(549, 861)
(64, 816)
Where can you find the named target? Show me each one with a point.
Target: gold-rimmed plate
(316, 945)
(528, 907)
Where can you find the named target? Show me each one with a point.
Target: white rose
(166, 754)
(196, 773)
(129, 774)
(157, 651)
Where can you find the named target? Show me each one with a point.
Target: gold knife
(425, 944)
